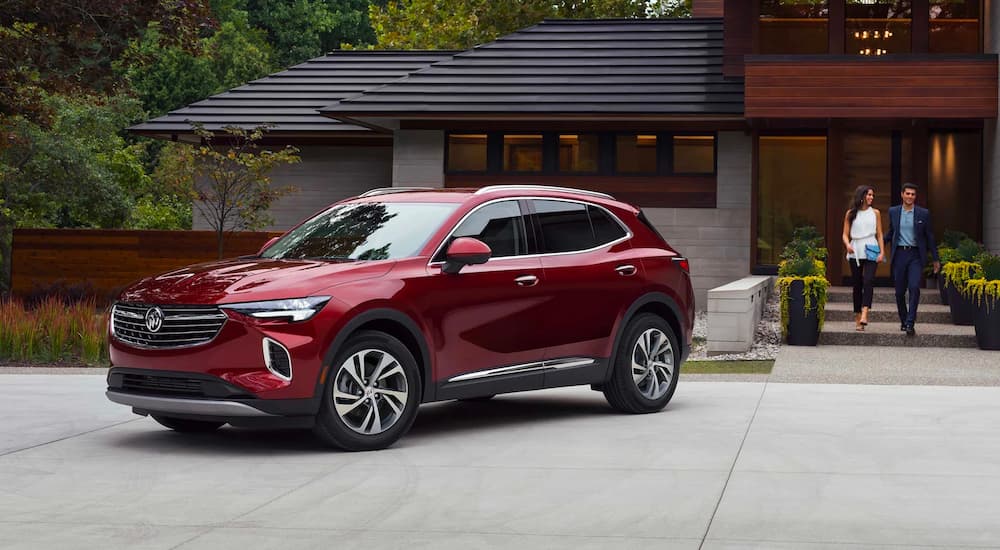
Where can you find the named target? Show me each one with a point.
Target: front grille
(167, 385)
(182, 326)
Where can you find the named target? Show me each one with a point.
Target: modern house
(729, 128)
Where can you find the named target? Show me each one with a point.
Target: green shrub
(968, 250)
(802, 259)
(948, 254)
(952, 238)
(53, 332)
(990, 264)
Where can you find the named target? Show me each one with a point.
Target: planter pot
(803, 327)
(963, 310)
(988, 325)
(942, 289)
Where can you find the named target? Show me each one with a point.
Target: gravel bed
(767, 337)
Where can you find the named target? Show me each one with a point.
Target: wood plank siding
(108, 260)
(647, 191)
(738, 25)
(707, 8)
(905, 86)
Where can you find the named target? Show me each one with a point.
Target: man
(910, 237)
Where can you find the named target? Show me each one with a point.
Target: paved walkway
(728, 465)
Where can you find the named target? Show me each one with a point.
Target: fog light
(277, 359)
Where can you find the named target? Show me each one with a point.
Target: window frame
(540, 235)
(715, 153)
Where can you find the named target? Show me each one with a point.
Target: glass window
(791, 190)
(635, 154)
(878, 27)
(606, 228)
(522, 152)
(694, 154)
(954, 181)
(565, 226)
(954, 27)
(578, 152)
(794, 27)
(363, 231)
(467, 152)
(499, 225)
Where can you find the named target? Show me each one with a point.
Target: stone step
(842, 333)
(886, 313)
(882, 295)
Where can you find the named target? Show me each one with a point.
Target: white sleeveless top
(863, 231)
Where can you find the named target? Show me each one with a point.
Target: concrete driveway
(728, 465)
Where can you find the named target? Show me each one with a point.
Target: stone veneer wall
(716, 240)
(418, 158)
(326, 174)
(991, 146)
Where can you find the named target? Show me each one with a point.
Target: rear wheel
(187, 426)
(371, 395)
(645, 372)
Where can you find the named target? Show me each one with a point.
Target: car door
(488, 326)
(592, 273)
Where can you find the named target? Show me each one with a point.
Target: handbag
(871, 252)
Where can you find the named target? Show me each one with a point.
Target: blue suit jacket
(921, 228)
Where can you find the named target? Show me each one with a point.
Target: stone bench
(734, 309)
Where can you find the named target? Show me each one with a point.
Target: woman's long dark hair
(859, 199)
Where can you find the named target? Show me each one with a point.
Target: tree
(669, 8)
(461, 24)
(228, 184)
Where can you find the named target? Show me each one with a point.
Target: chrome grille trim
(183, 326)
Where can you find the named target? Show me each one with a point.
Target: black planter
(963, 310)
(988, 324)
(942, 289)
(803, 327)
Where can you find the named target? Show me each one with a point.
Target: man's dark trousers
(906, 269)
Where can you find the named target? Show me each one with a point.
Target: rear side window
(571, 226)
(499, 225)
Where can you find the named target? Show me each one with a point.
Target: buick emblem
(154, 319)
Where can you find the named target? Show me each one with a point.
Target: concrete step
(886, 313)
(842, 333)
(882, 295)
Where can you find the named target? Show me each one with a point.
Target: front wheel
(371, 395)
(646, 367)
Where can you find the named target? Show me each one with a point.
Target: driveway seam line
(732, 468)
(67, 437)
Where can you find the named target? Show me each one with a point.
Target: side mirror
(269, 242)
(465, 251)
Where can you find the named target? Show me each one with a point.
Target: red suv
(404, 296)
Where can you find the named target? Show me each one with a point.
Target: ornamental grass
(53, 332)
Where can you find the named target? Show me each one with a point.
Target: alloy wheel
(370, 391)
(652, 364)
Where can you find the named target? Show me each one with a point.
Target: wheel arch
(395, 323)
(659, 304)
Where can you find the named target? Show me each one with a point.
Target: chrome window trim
(552, 364)
(628, 232)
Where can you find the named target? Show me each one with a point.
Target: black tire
(347, 431)
(185, 425)
(626, 394)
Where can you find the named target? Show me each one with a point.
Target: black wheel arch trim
(381, 314)
(646, 299)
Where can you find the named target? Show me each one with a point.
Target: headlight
(295, 309)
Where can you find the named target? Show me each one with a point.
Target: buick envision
(405, 296)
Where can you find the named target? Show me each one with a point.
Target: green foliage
(229, 184)
(952, 238)
(53, 332)
(303, 29)
(967, 250)
(984, 289)
(814, 292)
(669, 8)
(990, 264)
(947, 254)
(956, 274)
(802, 260)
(239, 52)
(461, 24)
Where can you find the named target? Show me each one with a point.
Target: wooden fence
(105, 261)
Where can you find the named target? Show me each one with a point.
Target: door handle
(626, 270)
(526, 280)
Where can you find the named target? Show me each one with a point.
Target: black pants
(863, 279)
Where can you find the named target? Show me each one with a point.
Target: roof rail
(491, 188)
(388, 190)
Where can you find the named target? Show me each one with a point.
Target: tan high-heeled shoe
(857, 322)
(864, 317)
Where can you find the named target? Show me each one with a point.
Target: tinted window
(499, 225)
(565, 226)
(363, 231)
(606, 229)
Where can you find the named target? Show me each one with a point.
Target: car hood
(247, 280)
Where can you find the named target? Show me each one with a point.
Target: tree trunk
(219, 236)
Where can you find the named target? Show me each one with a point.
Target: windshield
(363, 231)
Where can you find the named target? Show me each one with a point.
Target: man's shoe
(910, 331)
(902, 326)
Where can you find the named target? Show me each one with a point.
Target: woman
(862, 235)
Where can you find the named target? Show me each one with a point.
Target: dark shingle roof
(640, 67)
(290, 99)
